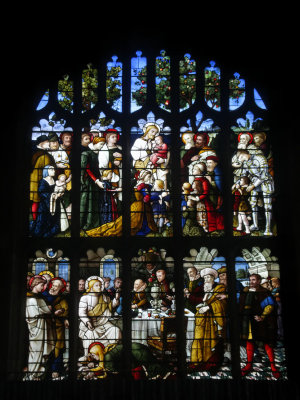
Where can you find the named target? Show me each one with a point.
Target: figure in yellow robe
(210, 330)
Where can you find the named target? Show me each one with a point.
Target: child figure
(59, 189)
(160, 151)
(241, 206)
(108, 202)
(160, 202)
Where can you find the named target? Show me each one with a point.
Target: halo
(58, 279)
(246, 133)
(37, 276)
(149, 124)
(95, 277)
(46, 272)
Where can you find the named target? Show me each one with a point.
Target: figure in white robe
(95, 313)
(41, 329)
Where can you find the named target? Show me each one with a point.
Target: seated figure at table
(139, 298)
(166, 289)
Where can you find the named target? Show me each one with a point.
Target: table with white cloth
(144, 326)
(190, 331)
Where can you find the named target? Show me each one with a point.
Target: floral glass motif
(153, 326)
(101, 180)
(100, 346)
(138, 81)
(65, 93)
(151, 213)
(237, 93)
(201, 178)
(114, 72)
(187, 82)
(89, 88)
(253, 186)
(47, 312)
(162, 81)
(262, 353)
(212, 79)
(50, 180)
(208, 349)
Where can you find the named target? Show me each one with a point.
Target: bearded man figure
(208, 346)
(60, 308)
(95, 311)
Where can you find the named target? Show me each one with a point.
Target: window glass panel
(236, 92)
(47, 313)
(151, 212)
(100, 345)
(114, 72)
(163, 88)
(212, 78)
(208, 347)
(187, 82)
(201, 177)
(138, 81)
(44, 101)
(262, 353)
(50, 180)
(101, 181)
(153, 313)
(258, 100)
(89, 88)
(253, 186)
(65, 93)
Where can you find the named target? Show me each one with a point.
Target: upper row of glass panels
(201, 169)
(188, 77)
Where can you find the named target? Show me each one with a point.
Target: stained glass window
(157, 179)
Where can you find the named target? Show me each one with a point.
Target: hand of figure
(100, 184)
(258, 318)
(116, 154)
(59, 312)
(195, 158)
(66, 323)
(90, 326)
(221, 296)
(249, 188)
(202, 310)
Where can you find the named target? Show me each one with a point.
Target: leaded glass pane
(47, 317)
(153, 326)
(100, 345)
(208, 347)
(262, 353)
(50, 180)
(151, 212)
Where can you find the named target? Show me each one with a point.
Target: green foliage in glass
(113, 84)
(187, 82)
(139, 95)
(163, 88)
(236, 91)
(212, 88)
(65, 90)
(89, 88)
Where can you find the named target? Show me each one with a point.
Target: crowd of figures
(150, 209)
(253, 186)
(201, 202)
(50, 185)
(100, 313)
